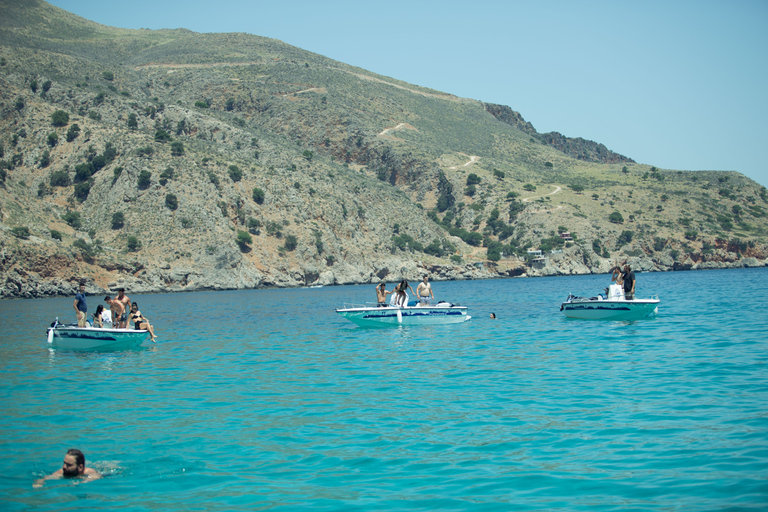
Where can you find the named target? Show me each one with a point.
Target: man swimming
(73, 466)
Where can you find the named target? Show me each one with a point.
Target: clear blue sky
(675, 84)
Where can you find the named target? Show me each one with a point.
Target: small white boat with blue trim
(89, 338)
(370, 315)
(611, 308)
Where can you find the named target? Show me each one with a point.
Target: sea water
(267, 399)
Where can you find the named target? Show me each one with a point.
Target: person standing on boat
(628, 277)
(381, 295)
(424, 291)
(72, 467)
(123, 299)
(81, 307)
(401, 297)
(116, 310)
(616, 288)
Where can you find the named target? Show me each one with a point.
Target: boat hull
(591, 309)
(89, 338)
(386, 316)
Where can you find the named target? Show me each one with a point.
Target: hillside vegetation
(172, 160)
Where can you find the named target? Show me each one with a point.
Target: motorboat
(88, 338)
(612, 307)
(371, 314)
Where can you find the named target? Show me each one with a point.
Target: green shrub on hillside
(108, 75)
(162, 136)
(82, 190)
(171, 202)
(145, 178)
(243, 240)
(473, 179)
(616, 218)
(177, 148)
(132, 243)
(60, 179)
(20, 232)
(73, 132)
(60, 118)
(166, 175)
(258, 195)
(235, 174)
(290, 242)
(73, 219)
(118, 220)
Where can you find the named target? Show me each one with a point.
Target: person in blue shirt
(81, 307)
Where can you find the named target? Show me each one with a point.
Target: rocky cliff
(173, 161)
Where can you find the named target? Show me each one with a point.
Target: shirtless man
(123, 299)
(116, 311)
(381, 295)
(72, 467)
(424, 291)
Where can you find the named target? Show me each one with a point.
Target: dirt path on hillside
(558, 207)
(321, 90)
(472, 160)
(402, 126)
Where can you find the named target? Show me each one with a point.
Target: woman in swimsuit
(140, 322)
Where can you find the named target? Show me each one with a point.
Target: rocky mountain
(170, 160)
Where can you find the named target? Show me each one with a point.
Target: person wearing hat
(123, 299)
(628, 277)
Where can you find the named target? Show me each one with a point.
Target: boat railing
(358, 305)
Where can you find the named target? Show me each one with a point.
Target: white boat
(88, 338)
(600, 308)
(373, 315)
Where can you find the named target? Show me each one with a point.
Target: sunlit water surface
(266, 399)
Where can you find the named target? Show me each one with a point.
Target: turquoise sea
(267, 400)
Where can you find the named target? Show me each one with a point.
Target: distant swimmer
(72, 467)
(493, 316)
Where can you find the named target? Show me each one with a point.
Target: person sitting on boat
(116, 310)
(424, 291)
(72, 467)
(97, 317)
(81, 308)
(140, 322)
(381, 295)
(628, 279)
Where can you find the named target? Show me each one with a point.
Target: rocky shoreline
(17, 283)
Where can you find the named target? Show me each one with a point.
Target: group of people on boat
(120, 313)
(399, 297)
(622, 283)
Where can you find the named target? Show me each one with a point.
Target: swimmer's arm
(53, 476)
